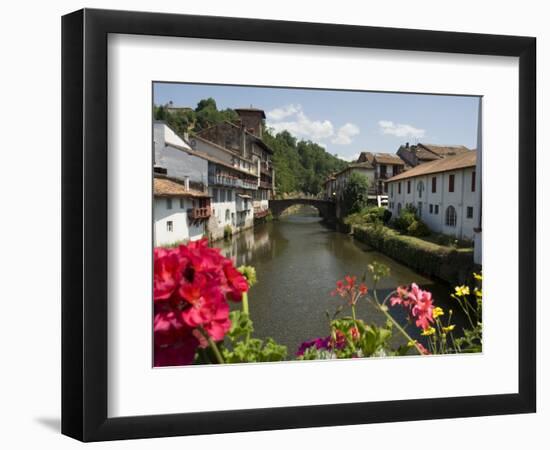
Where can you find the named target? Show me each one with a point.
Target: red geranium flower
(236, 282)
(167, 273)
(192, 284)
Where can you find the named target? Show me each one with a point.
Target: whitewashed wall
(228, 212)
(460, 199)
(178, 163)
(183, 229)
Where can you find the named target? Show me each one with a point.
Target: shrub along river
(298, 261)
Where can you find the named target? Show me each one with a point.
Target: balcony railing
(266, 185)
(232, 182)
(199, 213)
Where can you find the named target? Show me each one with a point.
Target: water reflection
(298, 261)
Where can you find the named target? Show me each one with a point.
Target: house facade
(385, 166)
(180, 213)
(243, 141)
(227, 180)
(444, 193)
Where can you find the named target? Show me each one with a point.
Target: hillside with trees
(300, 166)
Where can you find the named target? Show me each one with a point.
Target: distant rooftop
(164, 187)
(461, 161)
(251, 109)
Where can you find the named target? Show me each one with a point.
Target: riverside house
(385, 166)
(444, 192)
(229, 163)
(243, 141)
(180, 212)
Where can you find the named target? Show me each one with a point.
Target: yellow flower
(411, 343)
(428, 331)
(478, 276)
(461, 291)
(437, 312)
(449, 328)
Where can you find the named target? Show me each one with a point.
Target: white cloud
(400, 129)
(350, 158)
(281, 113)
(301, 126)
(345, 133)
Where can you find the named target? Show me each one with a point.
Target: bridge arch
(326, 208)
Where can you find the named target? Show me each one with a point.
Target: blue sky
(345, 122)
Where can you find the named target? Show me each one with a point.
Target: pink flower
(423, 307)
(419, 303)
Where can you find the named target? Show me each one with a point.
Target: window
(436, 209)
(182, 203)
(451, 183)
(222, 195)
(450, 216)
(420, 188)
(391, 190)
(419, 209)
(434, 185)
(399, 208)
(168, 203)
(399, 187)
(227, 215)
(408, 186)
(473, 181)
(470, 212)
(229, 196)
(215, 195)
(431, 208)
(169, 226)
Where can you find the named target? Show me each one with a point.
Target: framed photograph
(273, 225)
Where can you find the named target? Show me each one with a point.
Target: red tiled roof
(461, 161)
(163, 187)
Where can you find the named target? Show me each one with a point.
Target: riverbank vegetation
(449, 264)
(300, 165)
(409, 240)
(194, 284)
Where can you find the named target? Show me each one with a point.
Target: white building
(443, 192)
(175, 158)
(341, 178)
(180, 213)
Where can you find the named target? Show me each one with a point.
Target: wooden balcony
(266, 185)
(199, 213)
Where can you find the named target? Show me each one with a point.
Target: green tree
(355, 195)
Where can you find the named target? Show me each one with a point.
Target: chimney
(407, 145)
(186, 182)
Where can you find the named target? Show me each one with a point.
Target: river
(298, 261)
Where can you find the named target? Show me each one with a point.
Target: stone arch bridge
(326, 208)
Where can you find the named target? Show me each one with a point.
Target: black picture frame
(84, 224)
